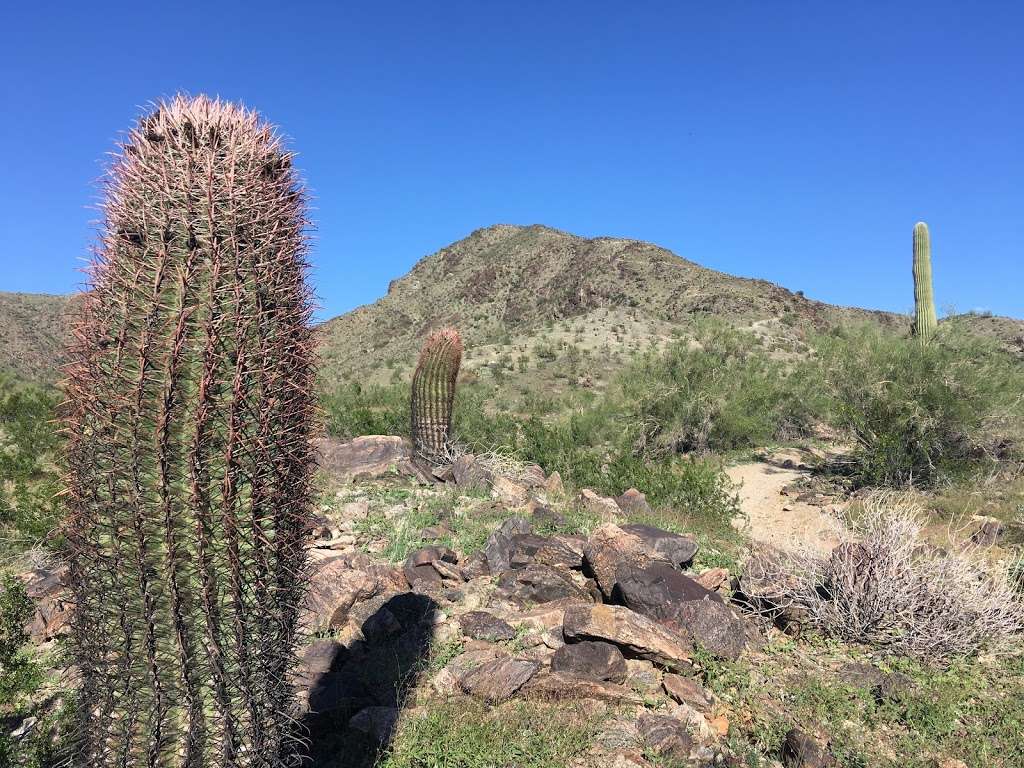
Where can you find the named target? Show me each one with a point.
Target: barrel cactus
(924, 300)
(189, 415)
(433, 393)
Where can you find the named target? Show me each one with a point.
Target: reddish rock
(635, 635)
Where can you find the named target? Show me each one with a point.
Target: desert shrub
(28, 477)
(718, 391)
(885, 586)
(18, 675)
(352, 410)
(922, 414)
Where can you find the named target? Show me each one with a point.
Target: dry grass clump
(885, 586)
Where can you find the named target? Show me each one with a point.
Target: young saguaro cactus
(189, 414)
(924, 299)
(433, 392)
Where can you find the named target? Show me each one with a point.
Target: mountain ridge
(510, 282)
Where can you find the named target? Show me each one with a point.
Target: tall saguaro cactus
(433, 392)
(924, 299)
(190, 408)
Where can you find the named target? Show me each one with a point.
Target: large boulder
(538, 583)
(591, 658)
(635, 635)
(611, 548)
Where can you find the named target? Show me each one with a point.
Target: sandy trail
(779, 520)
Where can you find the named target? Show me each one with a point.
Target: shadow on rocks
(352, 695)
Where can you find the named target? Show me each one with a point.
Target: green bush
(28, 477)
(352, 410)
(922, 414)
(718, 391)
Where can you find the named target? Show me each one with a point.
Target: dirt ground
(777, 519)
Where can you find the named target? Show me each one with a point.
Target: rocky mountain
(511, 283)
(511, 290)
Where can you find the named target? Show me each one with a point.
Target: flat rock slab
(686, 690)
(561, 686)
(635, 635)
(366, 457)
(497, 680)
(676, 548)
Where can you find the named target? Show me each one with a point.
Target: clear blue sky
(794, 141)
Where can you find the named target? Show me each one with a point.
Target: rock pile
(613, 618)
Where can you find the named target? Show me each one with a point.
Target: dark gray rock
(498, 549)
(538, 583)
(591, 658)
(657, 590)
(713, 626)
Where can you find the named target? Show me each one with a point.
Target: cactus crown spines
(925, 321)
(433, 392)
(190, 410)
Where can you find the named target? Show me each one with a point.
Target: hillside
(518, 293)
(510, 289)
(32, 335)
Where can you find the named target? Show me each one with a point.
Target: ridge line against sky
(792, 142)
